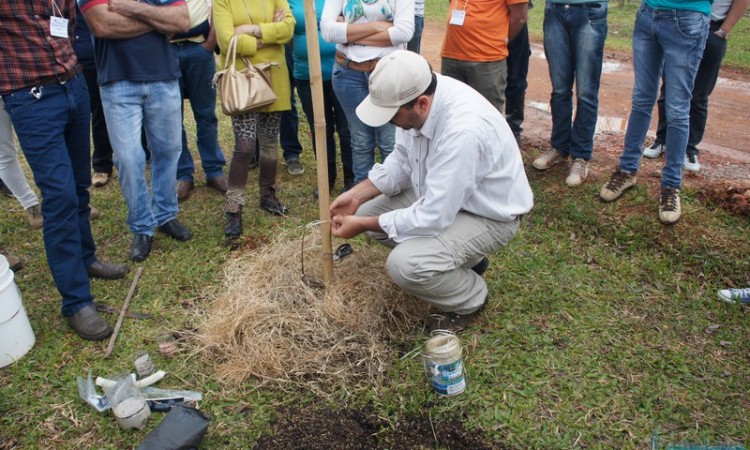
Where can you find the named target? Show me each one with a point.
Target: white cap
(397, 79)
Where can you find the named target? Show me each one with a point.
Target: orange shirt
(484, 33)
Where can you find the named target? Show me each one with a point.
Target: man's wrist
(721, 33)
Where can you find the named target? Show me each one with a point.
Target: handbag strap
(263, 3)
(231, 61)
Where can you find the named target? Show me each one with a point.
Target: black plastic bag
(182, 429)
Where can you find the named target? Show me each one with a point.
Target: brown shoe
(94, 213)
(184, 188)
(107, 271)
(218, 183)
(34, 214)
(100, 179)
(453, 322)
(89, 324)
(14, 262)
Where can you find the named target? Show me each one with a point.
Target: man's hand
(346, 226)
(344, 205)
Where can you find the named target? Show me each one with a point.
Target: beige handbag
(246, 90)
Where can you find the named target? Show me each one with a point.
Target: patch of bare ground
(325, 429)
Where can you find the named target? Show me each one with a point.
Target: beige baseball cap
(397, 79)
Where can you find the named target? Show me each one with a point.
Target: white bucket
(16, 335)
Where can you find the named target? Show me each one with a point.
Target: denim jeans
(289, 131)
(574, 37)
(519, 52)
(672, 41)
(101, 160)
(197, 66)
(350, 87)
(155, 106)
(705, 81)
(335, 123)
(415, 44)
(53, 131)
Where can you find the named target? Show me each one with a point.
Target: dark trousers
(289, 132)
(52, 123)
(705, 81)
(519, 51)
(102, 159)
(335, 123)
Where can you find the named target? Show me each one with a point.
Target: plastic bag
(182, 429)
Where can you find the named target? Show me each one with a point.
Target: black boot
(233, 230)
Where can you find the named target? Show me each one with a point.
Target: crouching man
(453, 190)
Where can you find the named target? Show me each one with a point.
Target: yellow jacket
(228, 14)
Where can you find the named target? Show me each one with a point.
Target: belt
(187, 41)
(60, 78)
(582, 5)
(364, 66)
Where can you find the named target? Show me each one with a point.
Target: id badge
(58, 27)
(457, 17)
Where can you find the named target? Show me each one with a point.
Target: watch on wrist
(721, 33)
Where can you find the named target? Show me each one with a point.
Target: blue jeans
(197, 66)
(705, 81)
(335, 122)
(574, 46)
(53, 130)
(289, 131)
(672, 41)
(129, 107)
(350, 87)
(416, 39)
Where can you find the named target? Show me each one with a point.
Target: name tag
(457, 17)
(58, 27)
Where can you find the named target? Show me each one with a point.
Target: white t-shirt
(464, 158)
(400, 12)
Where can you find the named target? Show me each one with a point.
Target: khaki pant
(438, 269)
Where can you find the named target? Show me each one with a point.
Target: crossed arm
(125, 19)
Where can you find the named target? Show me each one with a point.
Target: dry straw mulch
(269, 324)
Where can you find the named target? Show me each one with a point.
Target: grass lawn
(603, 326)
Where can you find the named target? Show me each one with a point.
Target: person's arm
(169, 19)
(210, 43)
(519, 14)
(399, 33)
(331, 29)
(106, 24)
(374, 33)
(735, 13)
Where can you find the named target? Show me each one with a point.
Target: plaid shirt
(28, 52)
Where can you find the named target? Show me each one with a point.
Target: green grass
(620, 20)
(603, 327)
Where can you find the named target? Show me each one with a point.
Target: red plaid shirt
(28, 52)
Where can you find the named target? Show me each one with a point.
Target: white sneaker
(549, 159)
(619, 183)
(670, 208)
(735, 295)
(654, 151)
(691, 163)
(579, 170)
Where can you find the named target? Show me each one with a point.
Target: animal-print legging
(248, 127)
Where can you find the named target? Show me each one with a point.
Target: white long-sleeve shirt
(400, 12)
(464, 158)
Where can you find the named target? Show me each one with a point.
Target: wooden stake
(316, 87)
(124, 310)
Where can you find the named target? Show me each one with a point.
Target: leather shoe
(481, 267)
(176, 230)
(141, 247)
(218, 183)
(107, 271)
(233, 229)
(89, 324)
(184, 188)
